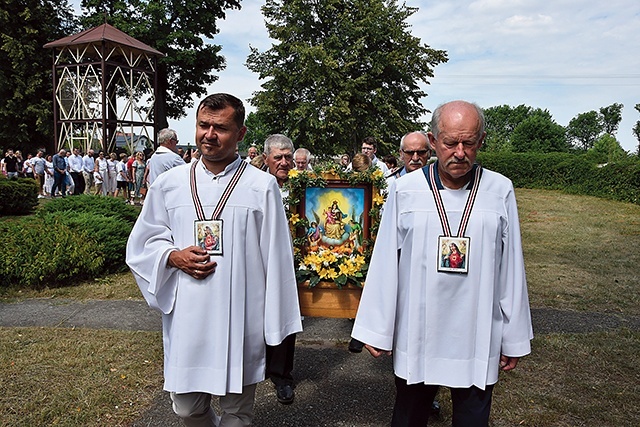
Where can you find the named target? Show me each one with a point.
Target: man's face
(415, 151)
(369, 150)
(252, 152)
(279, 162)
(458, 143)
(301, 162)
(76, 151)
(217, 135)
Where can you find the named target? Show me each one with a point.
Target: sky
(565, 56)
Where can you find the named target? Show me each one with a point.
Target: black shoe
(355, 346)
(285, 394)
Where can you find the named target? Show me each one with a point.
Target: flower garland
(341, 265)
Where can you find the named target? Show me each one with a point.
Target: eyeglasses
(411, 153)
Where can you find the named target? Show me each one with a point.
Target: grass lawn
(581, 253)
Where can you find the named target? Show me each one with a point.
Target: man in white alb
(211, 250)
(453, 310)
(165, 157)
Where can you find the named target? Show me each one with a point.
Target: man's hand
(508, 363)
(194, 261)
(376, 352)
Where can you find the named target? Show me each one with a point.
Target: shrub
(108, 234)
(18, 196)
(107, 206)
(69, 240)
(38, 252)
(573, 173)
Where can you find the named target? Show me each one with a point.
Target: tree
(607, 149)
(584, 129)
(340, 71)
(501, 121)
(178, 29)
(26, 110)
(611, 118)
(539, 133)
(257, 132)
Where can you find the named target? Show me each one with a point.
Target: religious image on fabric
(336, 217)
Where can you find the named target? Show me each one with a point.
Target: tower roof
(104, 32)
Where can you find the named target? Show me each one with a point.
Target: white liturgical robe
(447, 328)
(215, 330)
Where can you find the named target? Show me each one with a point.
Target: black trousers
(471, 406)
(78, 182)
(280, 361)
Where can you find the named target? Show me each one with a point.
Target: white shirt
(216, 330)
(75, 163)
(161, 161)
(447, 328)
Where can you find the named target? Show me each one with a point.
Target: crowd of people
(73, 172)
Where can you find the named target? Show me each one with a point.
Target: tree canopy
(341, 71)
(178, 29)
(584, 129)
(26, 110)
(611, 117)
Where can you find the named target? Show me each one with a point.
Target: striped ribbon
(225, 195)
(442, 213)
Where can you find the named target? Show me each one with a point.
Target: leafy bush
(18, 196)
(573, 173)
(107, 206)
(69, 240)
(38, 252)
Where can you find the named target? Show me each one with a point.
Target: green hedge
(18, 196)
(69, 240)
(572, 173)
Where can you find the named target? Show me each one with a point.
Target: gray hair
(435, 118)
(306, 153)
(277, 141)
(421, 132)
(166, 135)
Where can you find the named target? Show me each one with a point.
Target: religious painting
(209, 236)
(338, 216)
(452, 254)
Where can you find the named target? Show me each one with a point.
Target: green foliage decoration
(296, 185)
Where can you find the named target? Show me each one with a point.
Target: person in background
(361, 162)
(75, 170)
(122, 179)
(88, 167)
(59, 162)
(345, 161)
(278, 160)
(102, 167)
(302, 159)
(220, 309)
(139, 166)
(414, 154)
(391, 162)
(449, 327)
(39, 166)
(165, 157)
(252, 153)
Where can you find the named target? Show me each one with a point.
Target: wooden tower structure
(105, 90)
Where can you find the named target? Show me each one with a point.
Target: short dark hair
(219, 101)
(370, 140)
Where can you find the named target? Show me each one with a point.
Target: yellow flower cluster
(330, 265)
